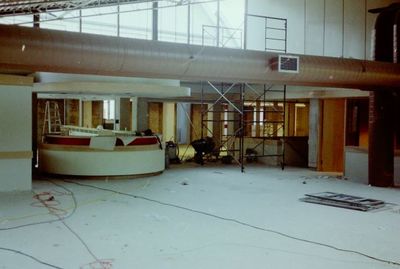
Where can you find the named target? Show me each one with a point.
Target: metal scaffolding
(265, 112)
(250, 116)
(243, 113)
(225, 114)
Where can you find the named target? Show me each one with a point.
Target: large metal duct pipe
(29, 49)
(382, 104)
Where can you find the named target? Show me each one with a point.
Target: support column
(87, 114)
(381, 104)
(134, 113)
(36, 20)
(381, 136)
(313, 133)
(142, 114)
(168, 121)
(16, 135)
(34, 129)
(117, 112)
(125, 114)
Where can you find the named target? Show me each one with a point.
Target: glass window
(172, 23)
(109, 109)
(231, 23)
(22, 20)
(203, 15)
(63, 20)
(94, 22)
(136, 20)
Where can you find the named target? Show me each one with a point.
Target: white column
(80, 113)
(16, 138)
(117, 111)
(168, 121)
(134, 116)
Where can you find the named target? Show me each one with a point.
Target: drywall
(319, 27)
(332, 135)
(15, 138)
(286, 9)
(356, 165)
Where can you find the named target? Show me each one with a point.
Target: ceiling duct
(30, 50)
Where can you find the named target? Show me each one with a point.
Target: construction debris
(343, 200)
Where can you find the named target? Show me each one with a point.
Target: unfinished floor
(198, 217)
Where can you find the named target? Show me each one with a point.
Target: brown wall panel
(155, 111)
(97, 113)
(332, 135)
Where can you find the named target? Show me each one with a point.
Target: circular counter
(83, 160)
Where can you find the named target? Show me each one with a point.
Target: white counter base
(83, 161)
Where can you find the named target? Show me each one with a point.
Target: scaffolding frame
(234, 109)
(262, 101)
(230, 109)
(229, 137)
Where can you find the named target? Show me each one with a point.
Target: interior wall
(357, 122)
(155, 118)
(319, 27)
(15, 138)
(195, 130)
(332, 135)
(87, 114)
(97, 113)
(182, 123)
(72, 112)
(125, 114)
(40, 114)
(290, 122)
(301, 120)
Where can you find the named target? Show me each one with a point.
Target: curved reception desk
(101, 155)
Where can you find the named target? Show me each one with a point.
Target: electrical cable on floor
(47, 201)
(47, 221)
(31, 257)
(238, 222)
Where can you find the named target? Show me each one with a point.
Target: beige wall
(155, 119)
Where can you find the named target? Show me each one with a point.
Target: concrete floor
(197, 217)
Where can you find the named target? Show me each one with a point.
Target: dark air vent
(288, 64)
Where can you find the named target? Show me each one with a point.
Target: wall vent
(288, 64)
